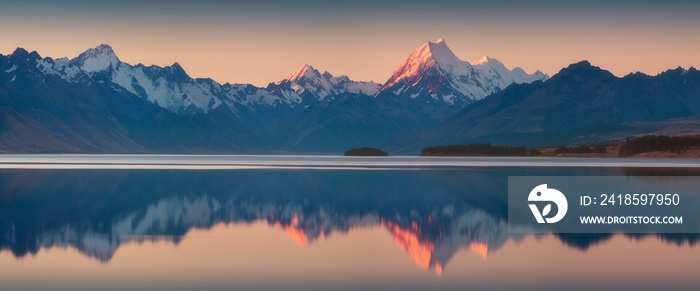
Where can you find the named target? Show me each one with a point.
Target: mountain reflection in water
(431, 214)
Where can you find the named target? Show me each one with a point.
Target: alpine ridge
(580, 104)
(309, 82)
(96, 103)
(436, 75)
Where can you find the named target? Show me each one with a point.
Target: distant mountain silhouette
(580, 104)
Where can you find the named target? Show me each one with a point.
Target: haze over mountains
(96, 103)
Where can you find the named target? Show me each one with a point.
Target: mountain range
(95, 103)
(580, 104)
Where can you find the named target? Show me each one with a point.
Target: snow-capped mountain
(582, 104)
(54, 105)
(496, 73)
(433, 72)
(170, 86)
(307, 111)
(98, 59)
(309, 82)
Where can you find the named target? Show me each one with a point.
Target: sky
(263, 41)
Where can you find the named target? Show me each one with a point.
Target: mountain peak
(483, 60)
(541, 75)
(429, 55)
(101, 50)
(21, 53)
(178, 71)
(584, 69)
(104, 48)
(434, 72)
(97, 59)
(582, 65)
(306, 71)
(307, 81)
(441, 53)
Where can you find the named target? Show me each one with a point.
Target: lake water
(77, 222)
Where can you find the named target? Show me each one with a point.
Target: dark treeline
(366, 152)
(651, 143)
(582, 149)
(483, 149)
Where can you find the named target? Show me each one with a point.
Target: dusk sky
(264, 41)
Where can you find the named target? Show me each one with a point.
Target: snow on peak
(488, 63)
(342, 84)
(177, 70)
(433, 51)
(306, 71)
(482, 60)
(431, 56)
(103, 49)
(434, 71)
(97, 59)
(496, 72)
(442, 54)
(310, 81)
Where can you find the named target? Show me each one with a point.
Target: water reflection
(431, 215)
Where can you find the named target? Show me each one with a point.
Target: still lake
(163, 222)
